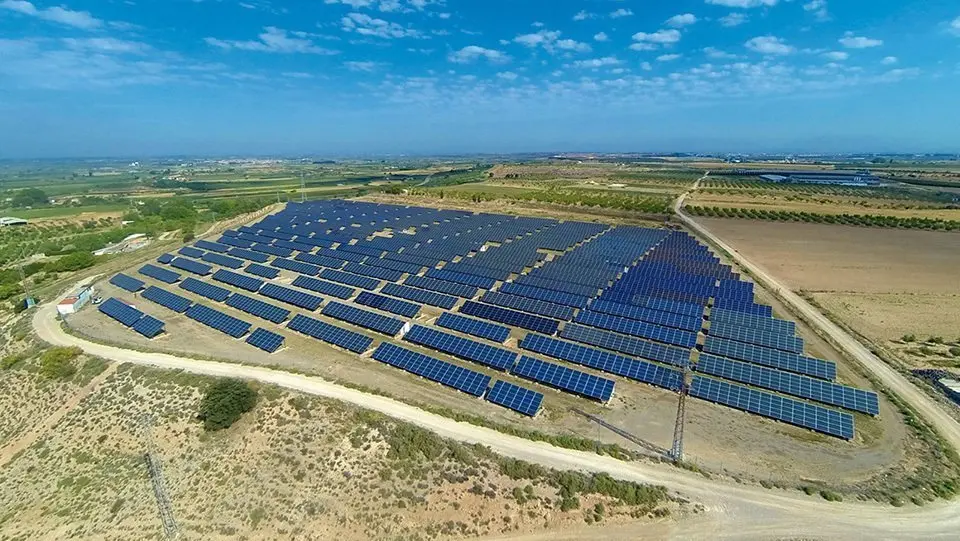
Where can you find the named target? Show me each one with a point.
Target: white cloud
(622, 12)
(597, 62)
(572, 45)
(668, 57)
(734, 19)
(387, 6)
(364, 66)
(819, 9)
(743, 4)
(57, 14)
(897, 75)
(717, 54)
(106, 45)
(583, 15)
(471, 53)
(645, 66)
(507, 75)
(297, 75)
(643, 46)
(889, 60)
(551, 42)
(955, 26)
(769, 45)
(836, 55)
(682, 20)
(601, 36)
(272, 40)
(851, 41)
(660, 36)
(365, 25)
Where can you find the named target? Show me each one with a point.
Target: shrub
(830, 496)
(188, 236)
(955, 351)
(225, 401)
(57, 362)
(909, 338)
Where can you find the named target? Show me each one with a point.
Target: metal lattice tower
(303, 187)
(155, 470)
(676, 451)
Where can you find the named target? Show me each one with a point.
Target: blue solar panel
(758, 337)
(258, 308)
(129, 283)
(667, 305)
(419, 295)
(296, 266)
(757, 322)
(556, 297)
(298, 246)
(249, 255)
(448, 374)
(212, 246)
(165, 298)
(236, 242)
(409, 268)
(791, 362)
(363, 318)
(746, 307)
(323, 243)
(561, 377)
(331, 334)
(364, 250)
(474, 327)
(461, 278)
(164, 258)
(491, 356)
(191, 252)
(525, 304)
(148, 326)
(612, 363)
(511, 317)
(164, 275)
(265, 340)
(814, 389)
(554, 285)
(291, 296)
(190, 265)
(327, 288)
(260, 270)
(627, 344)
(374, 272)
(394, 306)
(657, 317)
(350, 279)
(640, 329)
(215, 319)
(346, 256)
(120, 311)
(239, 280)
(222, 260)
(441, 286)
(209, 291)
(272, 250)
(515, 397)
(788, 410)
(321, 260)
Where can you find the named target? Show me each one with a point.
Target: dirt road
(731, 511)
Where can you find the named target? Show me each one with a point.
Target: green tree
(57, 362)
(225, 401)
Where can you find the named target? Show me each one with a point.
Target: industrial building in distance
(841, 178)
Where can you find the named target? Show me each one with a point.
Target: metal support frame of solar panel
(563, 378)
(249, 255)
(128, 283)
(349, 279)
(238, 280)
(464, 348)
(296, 266)
(166, 299)
(626, 344)
(216, 319)
(291, 296)
(148, 326)
(265, 340)
(781, 408)
(532, 306)
(523, 320)
(326, 288)
(612, 363)
(331, 334)
(321, 260)
(639, 329)
(261, 270)
(442, 286)
(817, 390)
(548, 295)
(164, 275)
(212, 246)
(758, 337)
(125, 314)
(451, 375)
(379, 273)
(460, 278)
(473, 327)
(779, 326)
(191, 252)
(235, 242)
(749, 308)
(204, 289)
(774, 358)
(667, 319)
(258, 308)
(223, 260)
(514, 397)
(363, 318)
(164, 258)
(387, 304)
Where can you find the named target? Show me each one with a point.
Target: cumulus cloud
(600, 36)
(583, 15)
(551, 42)
(682, 20)
(365, 25)
(106, 45)
(271, 40)
(662, 37)
(717, 54)
(770, 45)
(57, 14)
(507, 75)
(818, 8)
(889, 60)
(734, 19)
(622, 12)
(594, 63)
(668, 57)
(851, 41)
(362, 66)
(836, 55)
(954, 26)
(387, 6)
(744, 4)
(471, 53)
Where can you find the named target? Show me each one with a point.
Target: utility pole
(23, 277)
(303, 188)
(676, 452)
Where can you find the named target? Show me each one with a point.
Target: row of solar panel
(129, 316)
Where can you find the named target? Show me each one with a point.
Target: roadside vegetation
(863, 220)
(568, 197)
(225, 401)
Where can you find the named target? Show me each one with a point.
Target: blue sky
(355, 77)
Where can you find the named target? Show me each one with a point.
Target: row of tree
(866, 220)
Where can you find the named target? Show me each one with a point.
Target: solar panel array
(128, 283)
(204, 289)
(555, 297)
(155, 272)
(640, 329)
(362, 282)
(387, 304)
(757, 322)
(791, 362)
(491, 356)
(331, 334)
(260, 270)
(667, 319)
(379, 273)
(265, 340)
(122, 312)
(419, 295)
(256, 307)
(222, 260)
(239, 280)
(291, 296)
(532, 306)
(451, 375)
(321, 260)
(165, 298)
(212, 246)
(249, 255)
(440, 286)
(363, 318)
(564, 378)
(515, 397)
(296, 266)
(164, 258)
(757, 337)
(191, 252)
(627, 344)
(148, 326)
(215, 319)
(324, 287)
(474, 327)
(511, 317)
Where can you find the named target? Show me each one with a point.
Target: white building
(10, 220)
(73, 302)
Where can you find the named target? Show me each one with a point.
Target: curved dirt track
(732, 511)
